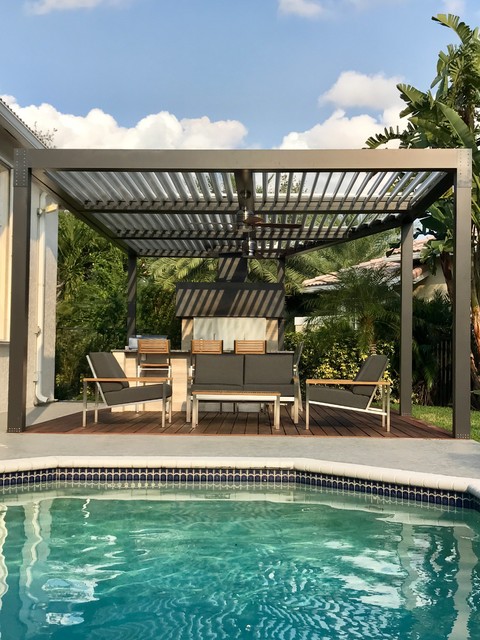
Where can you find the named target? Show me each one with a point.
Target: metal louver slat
(385, 188)
(112, 194)
(146, 187)
(71, 182)
(227, 185)
(156, 186)
(349, 189)
(412, 186)
(96, 191)
(398, 187)
(195, 194)
(324, 191)
(177, 182)
(205, 189)
(360, 189)
(217, 187)
(124, 194)
(376, 183)
(431, 182)
(168, 186)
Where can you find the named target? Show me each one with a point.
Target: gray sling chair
(115, 390)
(356, 395)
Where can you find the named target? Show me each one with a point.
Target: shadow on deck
(324, 422)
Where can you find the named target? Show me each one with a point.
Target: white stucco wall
(435, 282)
(41, 345)
(43, 276)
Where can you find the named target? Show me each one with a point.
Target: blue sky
(218, 73)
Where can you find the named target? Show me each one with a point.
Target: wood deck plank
(324, 422)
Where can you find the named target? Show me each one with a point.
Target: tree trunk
(447, 269)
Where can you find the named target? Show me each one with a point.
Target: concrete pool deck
(401, 458)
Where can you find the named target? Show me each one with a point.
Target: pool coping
(338, 473)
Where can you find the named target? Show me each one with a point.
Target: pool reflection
(227, 562)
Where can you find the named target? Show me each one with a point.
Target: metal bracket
(20, 169)
(464, 170)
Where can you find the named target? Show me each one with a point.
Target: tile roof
(390, 263)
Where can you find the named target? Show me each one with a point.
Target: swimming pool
(223, 560)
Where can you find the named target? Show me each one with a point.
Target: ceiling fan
(246, 215)
(252, 220)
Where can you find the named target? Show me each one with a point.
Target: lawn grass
(442, 417)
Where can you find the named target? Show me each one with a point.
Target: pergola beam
(237, 160)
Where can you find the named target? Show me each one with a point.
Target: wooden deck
(324, 422)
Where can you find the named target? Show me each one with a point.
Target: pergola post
(406, 321)
(281, 270)
(20, 292)
(131, 296)
(461, 302)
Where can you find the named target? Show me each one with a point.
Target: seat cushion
(269, 368)
(105, 365)
(142, 393)
(222, 369)
(341, 397)
(216, 386)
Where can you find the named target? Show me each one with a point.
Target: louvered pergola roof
(193, 203)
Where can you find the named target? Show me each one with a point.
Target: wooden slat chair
(203, 346)
(356, 395)
(154, 355)
(207, 346)
(250, 346)
(115, 390)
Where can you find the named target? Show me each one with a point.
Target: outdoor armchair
(115, 390)
(356, 395)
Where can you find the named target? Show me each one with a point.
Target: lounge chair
(356, 395)
(115, 390)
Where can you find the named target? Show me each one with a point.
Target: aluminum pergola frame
(194, 203)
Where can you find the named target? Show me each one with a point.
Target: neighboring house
(43, 268)
(425, 283)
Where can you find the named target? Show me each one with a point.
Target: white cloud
(353, 89)
(304, 8)
(336, 132)
(456, 7)
(328, 8)
(41, 7)
(376, 94)
(161, 130)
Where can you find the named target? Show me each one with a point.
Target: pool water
(212, 563)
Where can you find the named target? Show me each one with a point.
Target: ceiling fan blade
(257, 221)
(279, 225)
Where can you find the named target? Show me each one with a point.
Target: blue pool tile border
(38, 478)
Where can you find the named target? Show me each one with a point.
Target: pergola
(267, 204)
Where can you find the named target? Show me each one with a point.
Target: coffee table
(236, 396)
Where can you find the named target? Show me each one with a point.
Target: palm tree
(364, 300)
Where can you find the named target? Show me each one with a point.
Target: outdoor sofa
(252, 374)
